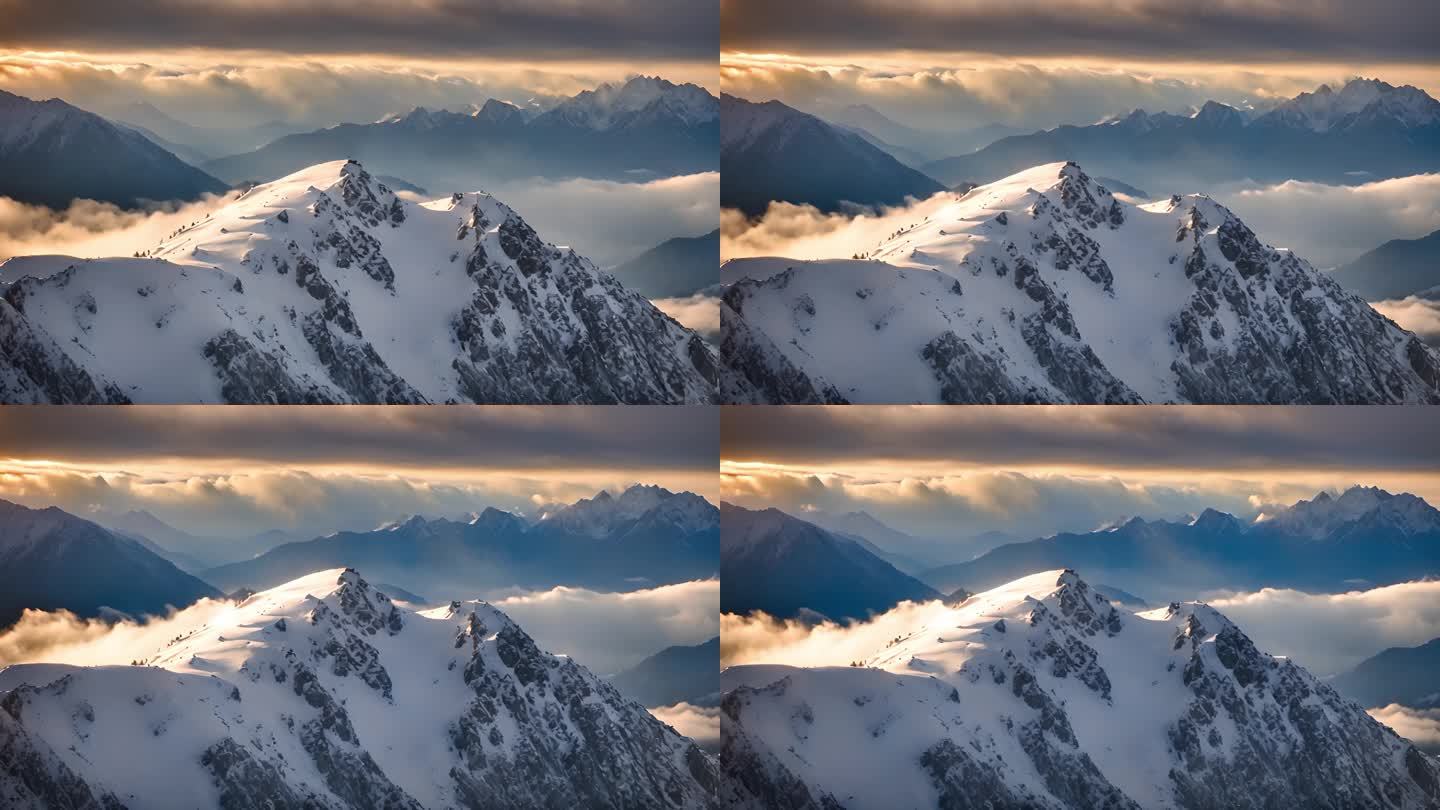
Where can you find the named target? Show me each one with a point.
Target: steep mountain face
(1044, 287)
(773, 152)
(772, 562)
(1040, 694)
(324, 694)
(52, 153)
(675, 268)
(644, 537)
(1365, 537)
(1366, 131)
(1396, 269)
(325, 287)
(1409, 676)
(52, 560)
(675, 674)
(646, 128)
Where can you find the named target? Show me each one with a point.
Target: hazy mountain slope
(1044, 287)
(1409, 676)
(1365, 537)
(1396, 269)
(669, 537)
(1365, 131)
(325, 287)
(643, 129)
(773, 152)
(1040, 694)
(52, 560)
(52, 153)
(772, 562)
(674, 268)
(675, 674)
(324, 694)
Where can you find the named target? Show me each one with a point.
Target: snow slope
(325, 287)
(1044, 287)
(1041, 694)
(323, 693)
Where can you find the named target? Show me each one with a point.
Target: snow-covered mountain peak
(602, 514)
(1360, 507)
(609, 105)
(324, 286)
(295, 694)
(1359, 102)
(1040, 694)
(1045, 287)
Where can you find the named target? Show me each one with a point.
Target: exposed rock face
(324, 694)
(1044, 287)
(1040, 694)
(324, 287)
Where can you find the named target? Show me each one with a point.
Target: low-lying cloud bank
(89, 229)
(1325, 633)
(1413, 313)
(61, 637)
(1420, 726)
(699, 312)
(1328, 225)
(699, 723)
(610, 632)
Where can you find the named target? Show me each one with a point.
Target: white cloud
(1420, 726)
(611, 222)
(1415, 314)
(699, 723)
(90, 229)
(61, 637)
(609, 632)
(699, 312)
(762, 639)
(1330, 633)
(804, 232)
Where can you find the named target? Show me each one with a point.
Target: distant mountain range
(689, 674)
(323, 693)
(643, 537)
(53, 560)
(773, 152)
(1365, 537)
(1396, 269)
(1039, 693)
(912, 146)
(1367, 130)
(788, 568)
(52, 153)
(643, 129)
(1409, 676)
(675, 268)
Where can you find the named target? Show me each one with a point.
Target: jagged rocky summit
(325, 287)
(324, 694)
(1044, 287)
(1041, 694)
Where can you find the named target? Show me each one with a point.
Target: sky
(236, 471)
(1037, 63)
(952, 473)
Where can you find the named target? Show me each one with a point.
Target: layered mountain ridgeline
(53, 560)
(688, 674)
(1409, 676)
(324, 287)
(52, 153)
(675, 268)
(786, 567)
(641, 538)
(1040, 694)
(646, 128)
(324, 694)
(1396, 269)
(1363, 538)
(1368, 130)
(773, 152)
(1045, 287)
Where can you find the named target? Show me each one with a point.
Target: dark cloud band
(1153, 437)
(1234, 30)
(524, 29)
